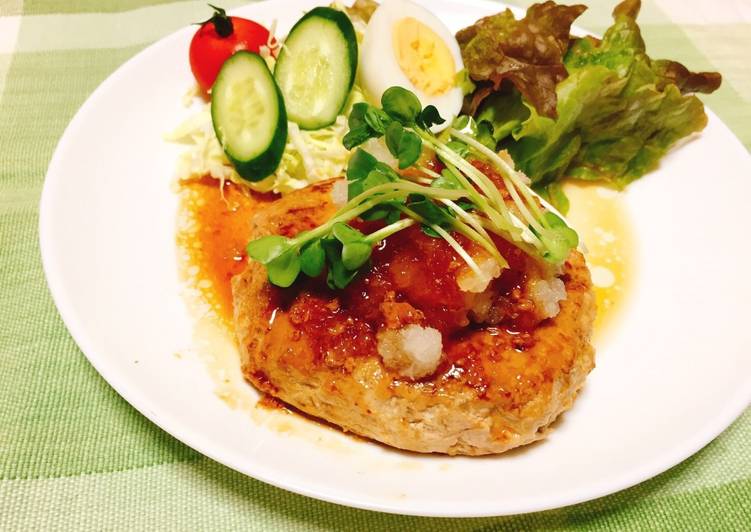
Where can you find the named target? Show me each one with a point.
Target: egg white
(379, 66)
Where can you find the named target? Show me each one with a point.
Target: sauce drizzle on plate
(213, 231)
(600, 217)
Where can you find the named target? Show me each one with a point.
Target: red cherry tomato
(220, 37)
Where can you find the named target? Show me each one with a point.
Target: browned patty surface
(496, 389)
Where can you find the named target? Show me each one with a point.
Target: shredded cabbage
(309, 156)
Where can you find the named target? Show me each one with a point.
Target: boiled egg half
(406, 45)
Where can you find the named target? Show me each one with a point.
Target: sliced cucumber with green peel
(316, 67)
(249, 117)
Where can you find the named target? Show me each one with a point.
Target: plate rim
(733, 409)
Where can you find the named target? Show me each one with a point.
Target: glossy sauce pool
(214, 228)
(213, 231)
(600, 217)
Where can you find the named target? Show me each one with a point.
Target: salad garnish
(612, 115)
(461, 199)
(527, 53)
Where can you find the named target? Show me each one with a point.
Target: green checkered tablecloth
(74, 455)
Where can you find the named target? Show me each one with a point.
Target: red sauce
(412, 279)
(414, 268)
(335, 332)
(217, 236)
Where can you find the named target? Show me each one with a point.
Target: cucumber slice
(249, 117)
(316, 67)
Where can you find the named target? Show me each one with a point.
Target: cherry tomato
(220, 37)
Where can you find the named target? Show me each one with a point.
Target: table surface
(74, 455)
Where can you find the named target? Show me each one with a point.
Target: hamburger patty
(496, 387)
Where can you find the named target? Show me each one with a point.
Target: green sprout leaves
(559, 238)
(459, 148)
(461, 199)
(356, 248)
(404, 107)
(279, 255)
(376, 120)
(359, 129)
(344, 250)
(347, 250)
(360, 165)
(338, 276)
(401, 105)
(429, 117)
(265, 250)
(447, 180)
(432, 214)
(312, 259)
(283, 270)
(401, 113)
(365, 172)
(403, 144)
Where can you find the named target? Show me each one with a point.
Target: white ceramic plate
(671, 377)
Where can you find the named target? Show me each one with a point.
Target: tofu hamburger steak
(418, 351)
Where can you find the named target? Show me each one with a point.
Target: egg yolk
(423, 57)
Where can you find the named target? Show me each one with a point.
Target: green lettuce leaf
(619, 112)
(528, 53)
